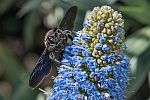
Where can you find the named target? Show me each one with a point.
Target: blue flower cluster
(94, 67)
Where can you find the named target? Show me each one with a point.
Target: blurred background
(24, 23)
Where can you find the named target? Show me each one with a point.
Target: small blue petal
(86, 24)
(101, 37)
(104, 57)
(115, 39)
(96, 78)
(115, 68)
(66, 62)
(121, 56)
(124, 47)
(105, 48)
(85, 37)
(111, 58)
(78, 33)
(100, 24)
(86, 53)
(98, 46)
(67, 49)
(75, 50)
(92, 74)
(75, 40)
(112, 82)
(104, 85)
(120, 31)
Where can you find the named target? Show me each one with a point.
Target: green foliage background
(23, 24)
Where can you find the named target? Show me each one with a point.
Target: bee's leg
(71, 34)
(52, 56)
(69, 39)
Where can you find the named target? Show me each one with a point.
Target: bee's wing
(68, 21)
(41, 70)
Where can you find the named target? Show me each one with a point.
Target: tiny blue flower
(104, 85)
(105, 48)
(85, 37)
(115, 39)
(120, 31)
(65, 62)
(104, 57)
(124, 47)
(77, 61)
(75, 50)
(86, 53)
(92, 74)
(104, 70)
(116, 68)
(78, 34)
(98, 46)
(101, 37)
(96, 78)
(75, 40)
(100, 24)
(111, 82)
(67, 49)
(121, 56)
(67, 56)
(125, 63)
(86, 24)
(87, 59)
(111, 58)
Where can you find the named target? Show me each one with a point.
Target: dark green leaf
(141, 14)
(30, 26)
(5, 5)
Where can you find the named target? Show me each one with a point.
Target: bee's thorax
(55, 40)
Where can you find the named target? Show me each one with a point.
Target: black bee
(55, 42)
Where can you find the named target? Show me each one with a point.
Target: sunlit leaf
(136, 2)
(139, 53)
(141, 14)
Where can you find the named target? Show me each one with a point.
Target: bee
(55, 42)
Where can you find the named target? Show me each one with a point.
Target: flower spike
(95, 66)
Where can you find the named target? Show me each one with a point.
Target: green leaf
(2, 97)
(89, 4)
(29, 28)
(13, 69)
(136, 2)
(139, 53)
(30, 6)
(15, 75)
(141, 14)
(140, 40)
(23, 92)
(5, 5)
